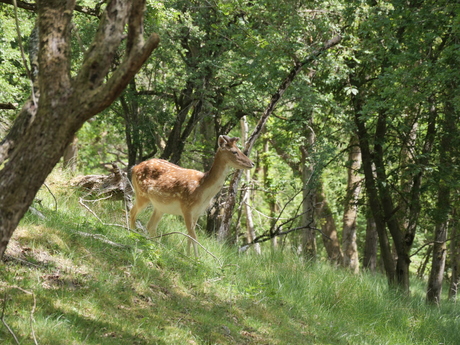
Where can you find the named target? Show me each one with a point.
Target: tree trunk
(251, 232)
(455, 259)
(402, 246)
(426, 258)
(30, 152)
(371, 244)
(449, 136)
(434, 289)
(324, 215)
(309, 249)
(349, 246)
(373, 194)
(270, 192)
(132, 120)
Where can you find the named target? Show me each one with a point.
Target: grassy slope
(88, 291)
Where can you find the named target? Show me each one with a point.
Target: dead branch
(32, 319)
(116, 185)
(194, 240)
(80, 201)
(33, 7)
(4, 322)
(267, 236)
(55, 200)
(432, 243)
(8, 106)
(102, 239)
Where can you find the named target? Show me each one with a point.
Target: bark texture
(349, 246)
(324, 214)
(442, 213)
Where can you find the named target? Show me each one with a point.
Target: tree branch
(96, 65)
(7, 105)
(96, 12)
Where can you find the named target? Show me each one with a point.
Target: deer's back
(157, 178)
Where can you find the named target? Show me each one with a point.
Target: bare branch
(33, 7)
(80, 201)
(4, 322)
(102, 239)
(8, 106)
(32, 320)
(191, 238)
(21, 4)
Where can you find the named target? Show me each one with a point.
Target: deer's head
(232, 154)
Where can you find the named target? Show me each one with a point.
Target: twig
(102, 238)
(190, 237)
(433, 242)
(269, 235)
(124, 227)
(21, 261)
(55, 200)
(97, 217)
(96, 200)
(32, 319)
(4, 322)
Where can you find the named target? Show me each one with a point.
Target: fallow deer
(186, 192)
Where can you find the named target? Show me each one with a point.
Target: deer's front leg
(190, 222)
(153, 222)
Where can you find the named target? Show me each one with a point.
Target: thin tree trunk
(251, 233)
(421, 270)
(324, 215)
(434, 289)
(455, 259)
(349, 246)
(370, 245)
(442, 212)
(270, 193)
(372, 193)
(309, 249)
(402, 246)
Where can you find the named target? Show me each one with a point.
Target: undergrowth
(69, 278)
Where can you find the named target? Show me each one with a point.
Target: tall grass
(64, 287)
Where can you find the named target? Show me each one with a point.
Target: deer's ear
(234, 140)
(223, 141)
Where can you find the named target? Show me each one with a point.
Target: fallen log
(114, 186)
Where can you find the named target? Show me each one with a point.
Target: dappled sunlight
(113, 286)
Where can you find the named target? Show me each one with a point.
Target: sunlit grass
(69, 288)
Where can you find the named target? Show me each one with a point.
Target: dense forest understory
(349, 110)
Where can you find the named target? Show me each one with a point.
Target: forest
(349, 110)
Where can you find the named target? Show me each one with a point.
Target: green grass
(67, 288)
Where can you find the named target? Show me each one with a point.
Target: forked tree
(63, 101)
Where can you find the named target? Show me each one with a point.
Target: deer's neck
(214, 179)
